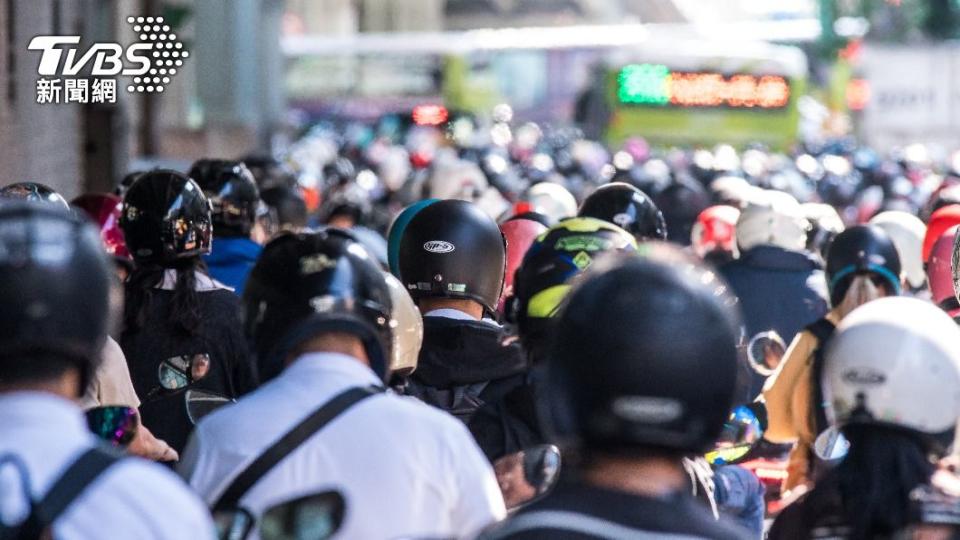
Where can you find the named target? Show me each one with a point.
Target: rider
(56, 294)
(773, 263)
(862, 265)
(886, 485)
(181, 328)
(627, 401)
(319, 308)
(110, 383)
(452, 260)
(552, 263)
(232, 191)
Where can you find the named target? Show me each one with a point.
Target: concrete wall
(39, 143)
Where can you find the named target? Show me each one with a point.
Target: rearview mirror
(233, 524)
(114, 423)
(765, 351)
(528, 475)
(740, 434)
(831, 446)
(178, 372)
(201, 403)
(316, 516)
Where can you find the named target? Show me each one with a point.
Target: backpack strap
(822, 330)
(289, 442)
(67, 489)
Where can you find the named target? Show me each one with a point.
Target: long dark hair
(184, 313)
(876, 477)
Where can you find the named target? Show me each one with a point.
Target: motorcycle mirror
(178, 372)
(317, 516)
(528, 475)
(765, 351)
(115, 424)
(740, 434)
(233, 524)
(201, 403)
(831, 446)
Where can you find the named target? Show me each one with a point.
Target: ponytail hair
(861, 290)
(184, 313)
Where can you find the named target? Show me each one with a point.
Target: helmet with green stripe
(555, 258)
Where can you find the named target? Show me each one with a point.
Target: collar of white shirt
(42, 411)
(328, 363)
(450, 313)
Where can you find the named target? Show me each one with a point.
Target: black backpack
(460, 401)
(71, 484)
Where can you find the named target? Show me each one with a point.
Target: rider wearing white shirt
(56, 481)
(404, 468)
(321, 309)
(131, 499)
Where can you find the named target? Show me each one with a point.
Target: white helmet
(456, 179)
(552, 200)
(772, 218)
(907, 232)
(895, 361)
(408, 334)
(732, 190)
(824, 215)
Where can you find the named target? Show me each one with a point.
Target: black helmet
(682, 201)
(339, 172)
(628, 208)
(165, 217)
(305, 283)
(32, 191)
(452, 249)
(644, 356)
(351, 201)
(232, 192)
(126, 182)
(56, 287)
(543, 279)
(858, 250)
(269, 172)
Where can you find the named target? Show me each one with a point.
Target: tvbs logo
(151, 61)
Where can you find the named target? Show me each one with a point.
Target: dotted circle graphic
(166, 52)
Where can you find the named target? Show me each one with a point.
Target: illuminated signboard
(657, 85)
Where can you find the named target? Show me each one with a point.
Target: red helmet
(715, 230)
(940, 273)
(104, 209)
(940, 221)
(519, 234)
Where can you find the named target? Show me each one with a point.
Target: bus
(699, 94)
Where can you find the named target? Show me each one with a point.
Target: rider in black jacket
(628, 401)
(541, 283)
(451, 260)
(181, 328)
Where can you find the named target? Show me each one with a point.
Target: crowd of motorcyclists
(498, 331)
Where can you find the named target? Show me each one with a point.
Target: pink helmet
(104, 209)
(940, 272)
(519, 234)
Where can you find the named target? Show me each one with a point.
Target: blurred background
(689, 73)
